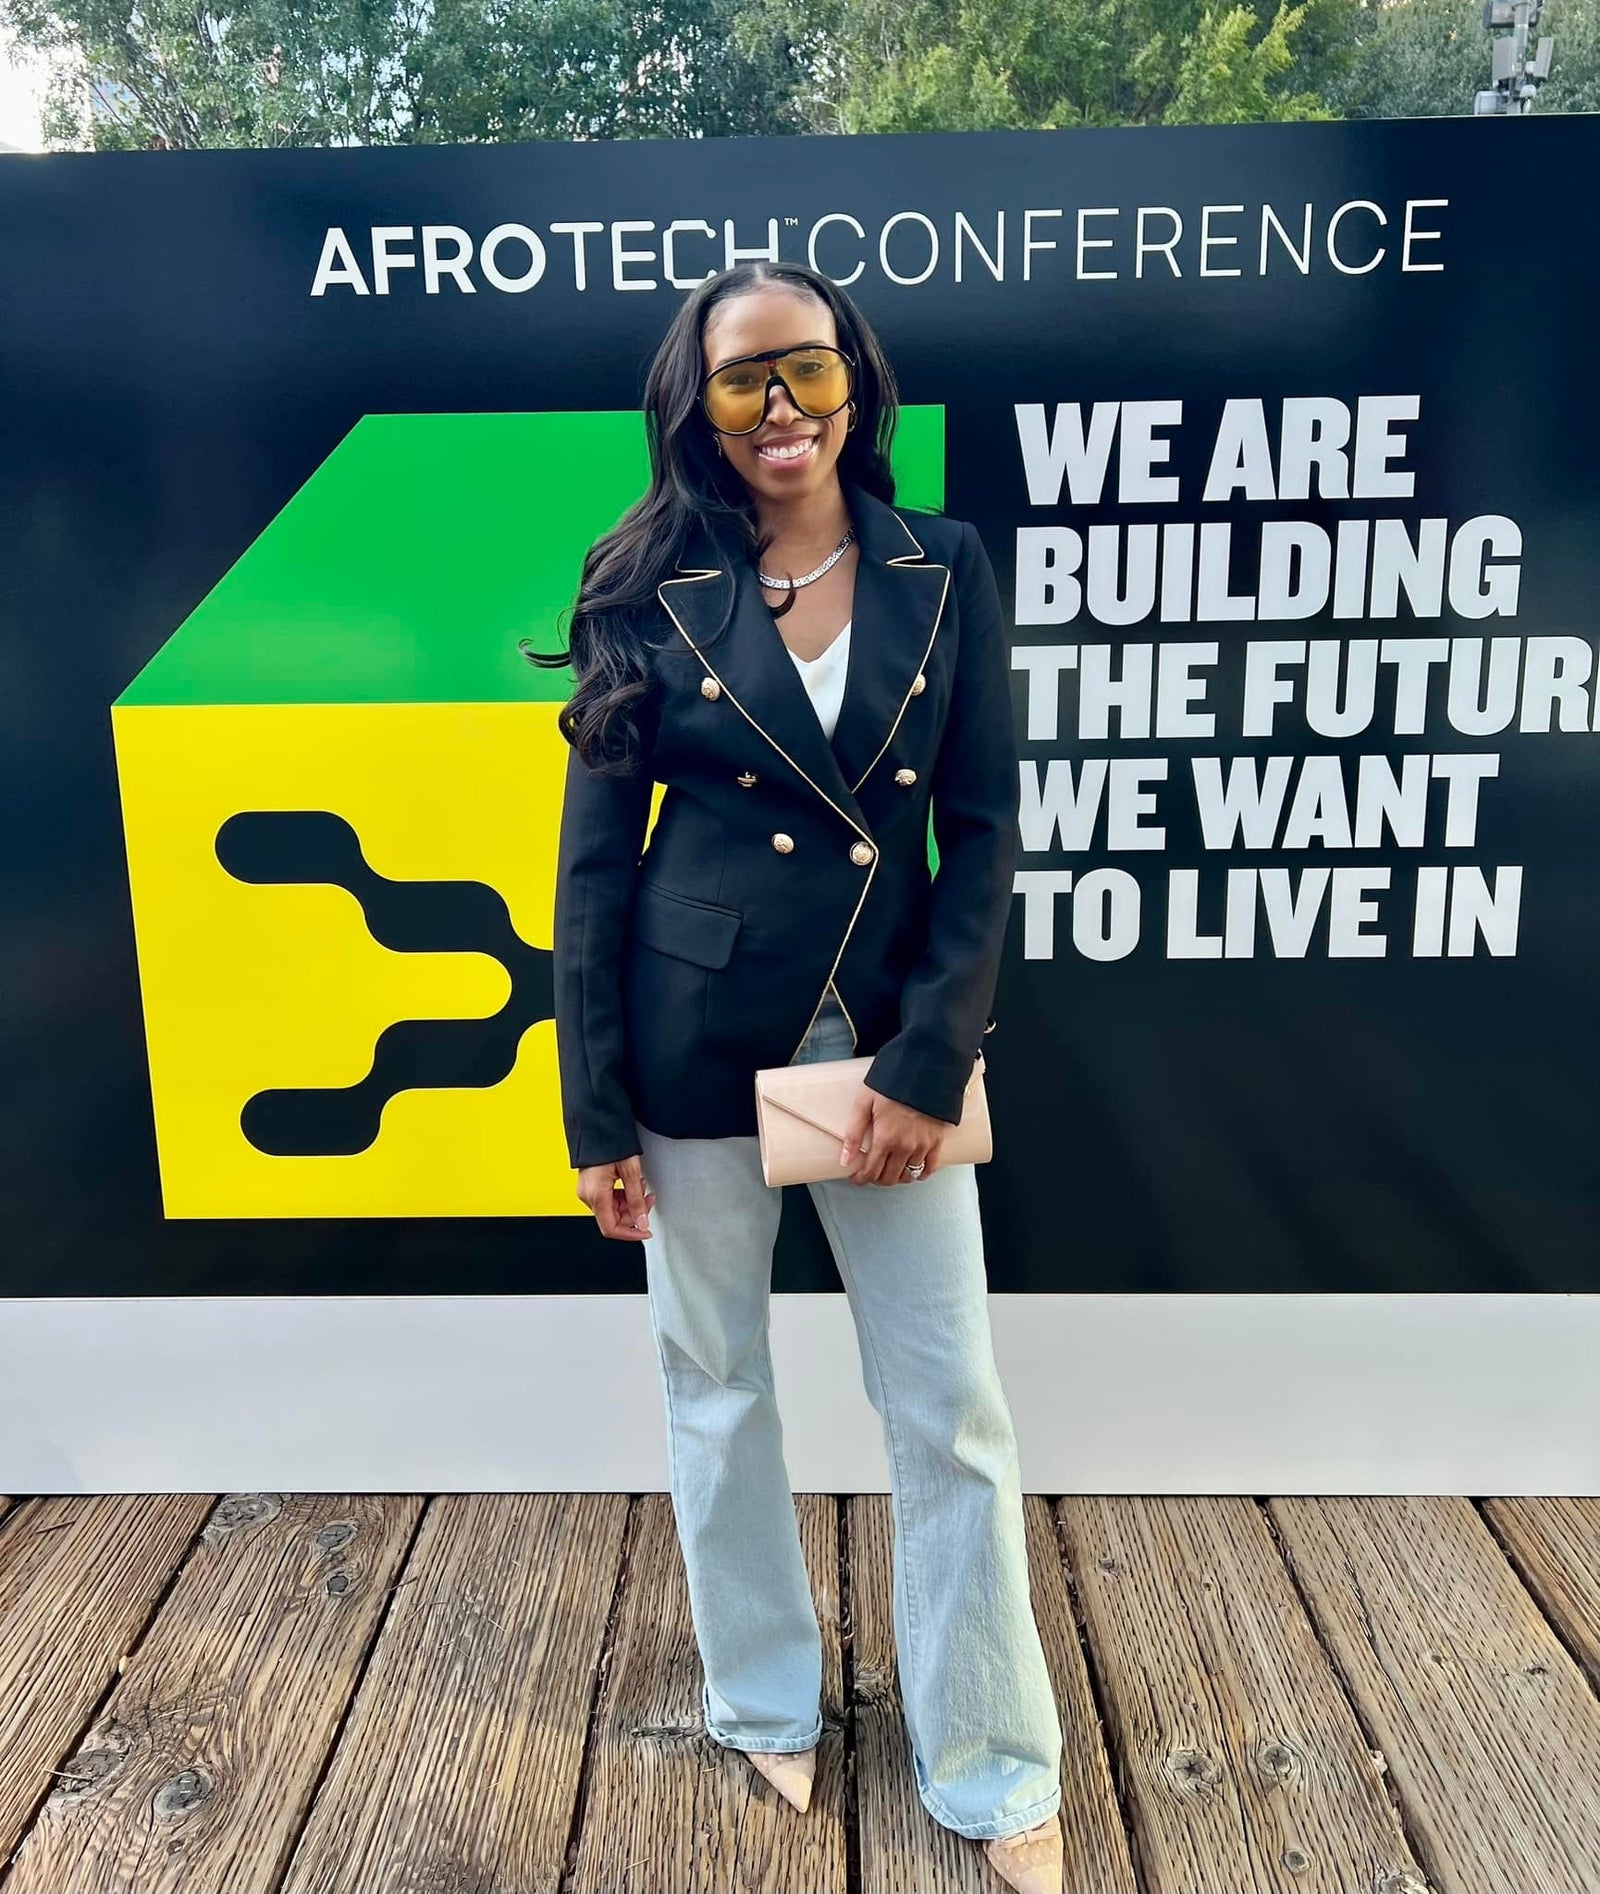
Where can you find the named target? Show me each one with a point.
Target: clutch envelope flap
(795, 1104)
(803, 1091)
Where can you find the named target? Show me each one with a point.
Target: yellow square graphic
(249, 988)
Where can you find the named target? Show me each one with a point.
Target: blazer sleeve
(603, 823)
(944, 1004)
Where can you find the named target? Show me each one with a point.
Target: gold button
(905, 777)
(709, 687)
(862, 853)
(747, 780)
(783, 843)
(919, 685)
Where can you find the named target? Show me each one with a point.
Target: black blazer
(779, 859)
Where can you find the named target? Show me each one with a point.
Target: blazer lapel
(899, 601)
(751, 663)
(899, 598)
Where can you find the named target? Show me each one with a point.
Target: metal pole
(1515, 77)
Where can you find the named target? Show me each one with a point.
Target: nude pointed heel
(790, 1771)
(1031, 1861)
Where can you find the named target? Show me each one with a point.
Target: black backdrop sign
(1284, 444)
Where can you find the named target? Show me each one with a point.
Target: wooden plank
(902, 1846)
(1555, 1546)
(1097, 1854)
(459, 1765)
(79, 1577)
(1241, 1763)
(1491, 1733)
(197, 1773)
(668, 1807)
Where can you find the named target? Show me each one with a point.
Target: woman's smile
(781, 452)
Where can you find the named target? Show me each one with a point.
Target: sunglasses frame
(774, 356)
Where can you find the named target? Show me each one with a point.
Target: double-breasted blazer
(780, 859)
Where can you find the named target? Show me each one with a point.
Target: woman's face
(776, 317)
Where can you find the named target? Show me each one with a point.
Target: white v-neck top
(823, 678)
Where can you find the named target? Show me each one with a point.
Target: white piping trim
(932, 566)
(901, 557)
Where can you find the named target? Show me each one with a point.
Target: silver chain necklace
(833, 558)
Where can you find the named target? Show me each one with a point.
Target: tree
(501, 69)
(1574, 83)
(166, 75)
(355, 72)
(1226, 78)
(974, 65)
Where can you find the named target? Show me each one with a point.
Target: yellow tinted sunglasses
(818, 379)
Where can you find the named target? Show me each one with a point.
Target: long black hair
(689, 481)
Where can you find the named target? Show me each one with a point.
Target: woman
(806, 668)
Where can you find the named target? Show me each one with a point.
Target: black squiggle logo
(409, 917)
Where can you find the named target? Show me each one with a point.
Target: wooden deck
(495, 1694)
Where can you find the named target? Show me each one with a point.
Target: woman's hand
(883, 1136)
(625, 1213)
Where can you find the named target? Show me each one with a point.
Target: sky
(20, 87)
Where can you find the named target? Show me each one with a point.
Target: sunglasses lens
(818, 380)
(736, 396)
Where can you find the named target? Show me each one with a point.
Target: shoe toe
(791, 1772)
(1031, 1860)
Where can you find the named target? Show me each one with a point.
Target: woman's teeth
(794, 450)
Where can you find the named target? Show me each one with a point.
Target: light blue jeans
(980, 1710)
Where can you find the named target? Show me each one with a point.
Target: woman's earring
(852, 421)
(716, 441)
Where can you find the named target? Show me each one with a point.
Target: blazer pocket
(680, 925)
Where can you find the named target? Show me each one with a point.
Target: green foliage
(169, 75)
(1228, 78)
(504, 69)
(980, 65)
(1417, 59)
(337, 72)
(1574, 82)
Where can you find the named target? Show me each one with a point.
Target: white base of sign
(1359, 1394)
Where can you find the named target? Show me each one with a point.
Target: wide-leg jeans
(980, 1710)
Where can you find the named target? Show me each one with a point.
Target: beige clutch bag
(801, 1112)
